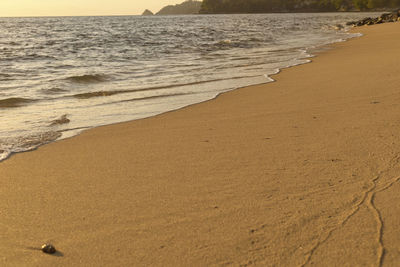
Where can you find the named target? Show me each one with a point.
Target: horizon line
(52, 16)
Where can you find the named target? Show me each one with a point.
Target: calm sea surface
(61, 75)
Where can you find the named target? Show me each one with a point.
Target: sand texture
(304, 171)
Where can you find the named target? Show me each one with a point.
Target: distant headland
(268, 6)
(147, 13)
(186, 8)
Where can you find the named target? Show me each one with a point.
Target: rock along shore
(384, 18)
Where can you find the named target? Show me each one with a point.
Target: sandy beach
(303, 171)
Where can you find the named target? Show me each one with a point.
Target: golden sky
(12, 8)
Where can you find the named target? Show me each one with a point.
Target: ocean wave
(99, 93)
(54, 90)
(110, 93)
(14, 102)
(88, 78)
(152, 97)
(5, 77)
(28, 57)
(228, 44)
(225, 42)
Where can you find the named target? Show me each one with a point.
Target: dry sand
(303, 171)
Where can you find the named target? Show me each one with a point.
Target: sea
(62, 75)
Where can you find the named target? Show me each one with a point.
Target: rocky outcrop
(147, 13)
(384, 18)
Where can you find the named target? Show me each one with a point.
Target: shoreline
(294, 172)
(139, 15)
(309, 53)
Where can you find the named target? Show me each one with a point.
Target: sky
(16, 8)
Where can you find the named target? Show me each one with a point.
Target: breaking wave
(115, 92)
(14, 102)
(99, 93)
(95, 78)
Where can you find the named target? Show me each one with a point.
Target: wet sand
(302, 171)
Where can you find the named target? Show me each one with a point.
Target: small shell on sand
(48, 248)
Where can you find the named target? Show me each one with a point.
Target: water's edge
(310, 52)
